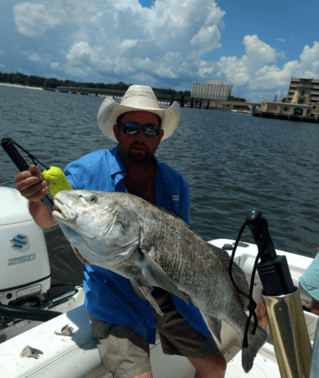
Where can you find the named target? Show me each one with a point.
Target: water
(233, 163)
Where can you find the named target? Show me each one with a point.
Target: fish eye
(93, 199)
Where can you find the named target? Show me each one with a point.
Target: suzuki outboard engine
(24, 262)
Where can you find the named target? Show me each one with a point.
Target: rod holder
(289, 333)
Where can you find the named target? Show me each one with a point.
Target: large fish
(153, 247)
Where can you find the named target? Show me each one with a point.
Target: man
(310, 282)
(124, 324)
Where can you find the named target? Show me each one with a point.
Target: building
(213, 90)
(303, 91)
(301, 103)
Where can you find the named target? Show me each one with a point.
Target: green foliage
(232, 98)
(36, 81)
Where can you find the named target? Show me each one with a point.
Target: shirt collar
(115, 164)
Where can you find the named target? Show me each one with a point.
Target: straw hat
(137, 97)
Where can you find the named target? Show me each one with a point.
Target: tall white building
(213, 90)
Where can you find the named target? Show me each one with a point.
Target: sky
(256, 45)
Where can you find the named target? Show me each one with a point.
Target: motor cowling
(24, 262)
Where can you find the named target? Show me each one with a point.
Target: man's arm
(41, 214)
(32, 186)
(315, 307)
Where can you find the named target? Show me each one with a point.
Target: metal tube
(290, 335)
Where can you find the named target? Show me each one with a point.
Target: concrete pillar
(182, 101)
(200, 104)
(207, 104)
(192, 102)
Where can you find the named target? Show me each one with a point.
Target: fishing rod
(9, 146)
(282, 301)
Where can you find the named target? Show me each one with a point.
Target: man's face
(138, 148)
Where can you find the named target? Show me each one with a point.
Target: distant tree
(99, 86)
(36, 81)
(52, 83)
(70, 83)
(19, 79)
(233, 98)
(4, 77)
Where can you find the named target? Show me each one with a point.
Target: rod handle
(14, 154)
(9, 147)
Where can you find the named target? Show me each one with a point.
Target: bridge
(168, 99)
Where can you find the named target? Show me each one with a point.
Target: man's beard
(141, 156)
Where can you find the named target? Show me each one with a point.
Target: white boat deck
(77, 356)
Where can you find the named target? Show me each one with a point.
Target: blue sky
(255, 45)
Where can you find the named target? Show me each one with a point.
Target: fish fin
(215, 326)
(255, 342)
(237, 273)
(154, 275)
(144, 293)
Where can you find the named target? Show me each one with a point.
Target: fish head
(102, 229)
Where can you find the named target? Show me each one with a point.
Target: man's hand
(31, 184)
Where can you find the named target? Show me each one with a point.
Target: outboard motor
(24, 262)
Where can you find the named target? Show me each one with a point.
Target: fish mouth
(62, 212)
(80, 257)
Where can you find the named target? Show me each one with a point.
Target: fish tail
(255, 342)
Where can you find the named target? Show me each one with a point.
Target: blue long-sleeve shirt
(310, 278)
(109, 296)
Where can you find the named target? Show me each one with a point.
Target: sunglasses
(132, 128)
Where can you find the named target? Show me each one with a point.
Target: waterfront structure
(213, 90)
(303, 91)
(301, 103)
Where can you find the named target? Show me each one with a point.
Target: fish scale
(153, 247)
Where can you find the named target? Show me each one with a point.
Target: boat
(27, 297)
(73, 354)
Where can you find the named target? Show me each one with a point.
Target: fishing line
(252, 304)
(32, 157)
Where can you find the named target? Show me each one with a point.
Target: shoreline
(21, 86)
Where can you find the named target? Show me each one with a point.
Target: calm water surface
(233, 163)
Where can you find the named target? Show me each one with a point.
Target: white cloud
(257, 69)
(309, 59)
(164, 71)
(35, 19)
(85, 59)
(35, 57)
(124, 32)
(144, 64)
(127, 44)
(258, 54)
(281, 40)
(121, 40)
(143, 78)
(55, 65)
(123, 66)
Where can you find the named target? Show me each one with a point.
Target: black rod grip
(14, 154)
(9, 147)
